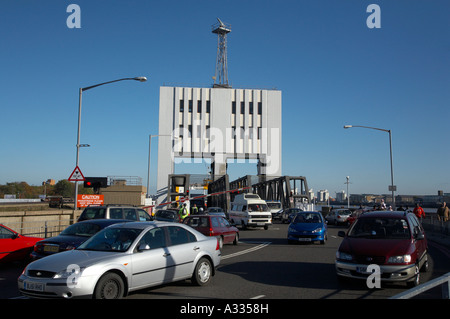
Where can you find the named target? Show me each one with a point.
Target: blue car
(307, 227)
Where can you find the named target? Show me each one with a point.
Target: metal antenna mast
(221, 76)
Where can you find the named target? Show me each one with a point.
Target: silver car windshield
(111, 239)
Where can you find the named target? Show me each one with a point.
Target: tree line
(61, 188)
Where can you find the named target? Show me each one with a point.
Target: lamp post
(139, 78)
(348, 195)
(392, 187)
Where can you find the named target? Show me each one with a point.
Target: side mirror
(341, 233)
(419, 236)
(143, 247)
(15, 236)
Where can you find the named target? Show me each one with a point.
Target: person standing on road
(183, 212)
(194, 210)
(382, 205)
(442, 212)
(418, 211)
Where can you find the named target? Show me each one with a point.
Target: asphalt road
(265, 266)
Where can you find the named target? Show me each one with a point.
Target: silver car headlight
(72, 271)
(317, 230)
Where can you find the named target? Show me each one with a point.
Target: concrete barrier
(45, 223)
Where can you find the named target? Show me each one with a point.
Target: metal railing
(432, 224)
(443, 280)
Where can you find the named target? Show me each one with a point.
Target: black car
(166, 215)
(72, 237)
(288, 214)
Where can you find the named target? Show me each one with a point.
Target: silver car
(338, 216)
(123, 258)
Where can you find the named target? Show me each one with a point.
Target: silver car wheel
(110, 286)
(202, 273)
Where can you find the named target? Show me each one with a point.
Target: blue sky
(331, 68)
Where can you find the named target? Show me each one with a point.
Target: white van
(249, 210)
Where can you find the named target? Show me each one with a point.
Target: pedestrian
(443, 216)
(382, 205)
(418, 211)
(194, 210)
(442, 212)
(183, 212)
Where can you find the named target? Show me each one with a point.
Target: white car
(123, 258)
(338, 216)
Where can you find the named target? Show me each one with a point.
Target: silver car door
(150, 265)
(183, 249)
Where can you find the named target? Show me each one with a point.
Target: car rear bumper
(388, 273)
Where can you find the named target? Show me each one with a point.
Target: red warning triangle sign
(76, 175)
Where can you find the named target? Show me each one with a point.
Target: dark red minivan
(210, 225)
(395, 241)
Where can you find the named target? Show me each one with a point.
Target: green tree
(63, 188)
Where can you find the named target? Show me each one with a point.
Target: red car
(395, 241)
(15, 247)
(354, 216)
(210, 225)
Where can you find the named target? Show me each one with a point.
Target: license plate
(51, 249)
(260, 224)
(34, 286)
(304, 239)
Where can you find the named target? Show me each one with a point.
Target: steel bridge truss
(288, 190)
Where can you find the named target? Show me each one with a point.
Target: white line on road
(262, 245)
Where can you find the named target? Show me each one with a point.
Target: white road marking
(246, 251)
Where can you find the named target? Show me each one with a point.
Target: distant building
(218, 124)
(323, 195)
(50, 182)
(341, 196)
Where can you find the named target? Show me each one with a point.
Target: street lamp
(348, 194)
(392, 187)
(139, 78)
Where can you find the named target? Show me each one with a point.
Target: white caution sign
(76, 175)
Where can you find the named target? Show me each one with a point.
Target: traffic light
(96, 183)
